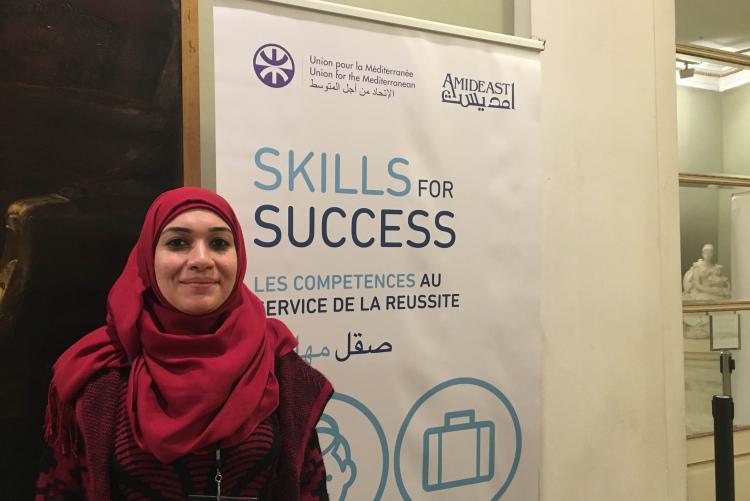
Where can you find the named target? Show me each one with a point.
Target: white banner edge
(387, 18)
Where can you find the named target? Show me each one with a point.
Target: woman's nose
(199, 256)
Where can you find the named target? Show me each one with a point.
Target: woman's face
(195, 262)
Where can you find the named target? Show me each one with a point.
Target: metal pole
(722, 407)
(727, 366)
(723, 411)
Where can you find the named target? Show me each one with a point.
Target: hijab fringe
(60, 429)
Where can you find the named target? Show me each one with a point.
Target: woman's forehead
(198, 218)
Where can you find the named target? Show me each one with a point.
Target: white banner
(387, 180)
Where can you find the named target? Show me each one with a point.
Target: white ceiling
(720, 24)
(717, 23)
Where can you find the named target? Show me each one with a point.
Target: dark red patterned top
(281, 460)
(247, 469)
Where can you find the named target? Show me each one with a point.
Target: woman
(188, 389)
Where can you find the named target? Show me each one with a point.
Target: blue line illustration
(337, 447)
(434, 476)
(463, 426)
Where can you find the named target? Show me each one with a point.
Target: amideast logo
(480, 94)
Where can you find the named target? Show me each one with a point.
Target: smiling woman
(187, 389)
(195, 262)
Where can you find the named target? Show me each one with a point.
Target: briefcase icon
(460, 452)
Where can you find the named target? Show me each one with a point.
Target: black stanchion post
(723, 411)
(722, 407)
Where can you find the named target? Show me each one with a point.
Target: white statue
(705, 280)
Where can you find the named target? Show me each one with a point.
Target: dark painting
(90, 132)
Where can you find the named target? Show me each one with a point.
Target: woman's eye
(220, 244)
(176, 243)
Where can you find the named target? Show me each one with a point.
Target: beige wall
(613, 397)
(736, 119)
(735, 113)
(700, 140)
(488, 15)
(699, 225)
(699, 130)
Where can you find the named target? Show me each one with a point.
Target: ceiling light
(687, 71)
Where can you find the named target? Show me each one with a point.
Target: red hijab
(196, 381)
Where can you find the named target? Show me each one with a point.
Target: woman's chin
(200, 306)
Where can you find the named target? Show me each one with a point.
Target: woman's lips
(199, 283)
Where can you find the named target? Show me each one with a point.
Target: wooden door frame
(191, 140)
